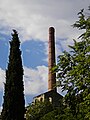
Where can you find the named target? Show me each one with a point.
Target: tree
(59, 114)
(37, 110)
(53, 115)
(13, 106)
(73, 70)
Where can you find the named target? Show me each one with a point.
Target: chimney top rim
(51, 29)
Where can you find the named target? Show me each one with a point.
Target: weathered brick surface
(51, 60)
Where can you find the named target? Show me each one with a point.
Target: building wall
(39, 98)
(51, 96)
(54, 97)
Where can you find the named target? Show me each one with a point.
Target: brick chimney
(51, 60)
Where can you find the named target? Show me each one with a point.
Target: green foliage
(73, 71)
(37, 110)
(13, 106)
(53, 115)
(85, 107)
(59, 114)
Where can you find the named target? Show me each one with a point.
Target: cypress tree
(14, 103)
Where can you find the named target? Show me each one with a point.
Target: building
(51, 95)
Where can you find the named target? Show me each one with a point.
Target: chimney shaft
(51, 60)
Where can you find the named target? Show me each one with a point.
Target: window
(50, 99)
(41, 99)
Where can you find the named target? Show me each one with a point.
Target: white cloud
(35, 80)
(2, 78)
(32, 18)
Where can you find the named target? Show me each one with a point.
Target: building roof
(48, 92)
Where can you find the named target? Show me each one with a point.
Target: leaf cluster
(36, 111)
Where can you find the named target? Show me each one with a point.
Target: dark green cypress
(14, 103)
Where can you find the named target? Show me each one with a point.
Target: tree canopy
(36, 110)
(73, 70)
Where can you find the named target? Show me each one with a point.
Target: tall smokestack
(51, 60)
